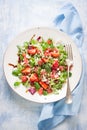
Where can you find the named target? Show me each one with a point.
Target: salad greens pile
(41, 66)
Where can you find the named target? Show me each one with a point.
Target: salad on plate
(41, 66)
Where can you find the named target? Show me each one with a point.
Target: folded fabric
(52, 114)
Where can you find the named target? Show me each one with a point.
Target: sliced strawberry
(24, 78)
(38, 51)
(43, 85)
(32, 50)
(55, 53)
(40, 91)
(45, 60)
(55, 65)
(54, 74)
(49, 41)
(26, 61)
(26, 70)
(49, 90)
(61, 68)
(34, 78)
(40, 62)
(48, 52)
(24, 54)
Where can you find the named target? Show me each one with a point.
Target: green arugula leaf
(17, 83)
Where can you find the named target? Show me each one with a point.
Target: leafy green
(52, 82)
(63, 76)
(60, 47)
(37, 56)
(19, 48)
(26, 44)
(37, 86)
(39, 70)
(51, 60)
(19, 67)
(32, 61)
(45, 93)
(51, 45)
(63, 54)
(21, 57)
(47, 67)
(26, 84)
(70, 74)
(17, 83)
(16, 72)
(44, 45)
(62, 58)
(58, 85)
(33, 41)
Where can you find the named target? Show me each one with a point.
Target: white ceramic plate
(11, 57)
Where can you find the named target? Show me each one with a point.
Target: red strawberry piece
(43, 85)
(49, 90)
(38, 51)
(26, 70)
(45, 60)
(55, 65)
(47, 52)
(49, 41)
(54, 74)
(34, 78)
(25, 60)
(61, 68)
(24, 54)
(32, 50)
(40, 62)
(55, 53)
(24, 78)
(40, 91)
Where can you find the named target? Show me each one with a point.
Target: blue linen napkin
(52, 114)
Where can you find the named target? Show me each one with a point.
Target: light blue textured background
(17, 16)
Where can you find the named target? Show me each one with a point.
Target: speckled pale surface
(19, 15)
